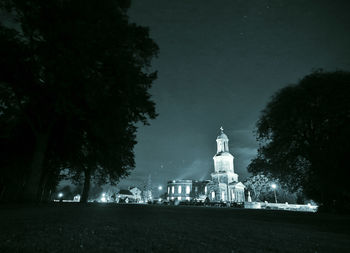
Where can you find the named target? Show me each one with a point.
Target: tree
(78, 72)
(304, 137)
(258, 186)
(260, 189)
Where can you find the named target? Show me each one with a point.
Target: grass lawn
(71, 227)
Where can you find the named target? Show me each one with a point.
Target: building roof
(223, 154)
(134, 187)
(237, 184)
(180, 181)
(125, 192)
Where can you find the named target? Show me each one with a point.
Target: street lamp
(103, 198)
(274, 186)
(159, 190)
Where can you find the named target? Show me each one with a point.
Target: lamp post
(274, 186)
(159, 191)
(60, 196)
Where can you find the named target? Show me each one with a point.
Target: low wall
(280, 206)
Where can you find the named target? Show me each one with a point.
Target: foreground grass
(69, 227)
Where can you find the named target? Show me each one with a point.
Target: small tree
(258, 185)
(260, 189)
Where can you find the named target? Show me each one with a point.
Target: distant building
(137, 193)
(180, 189)
(125, 196)
(223, 186)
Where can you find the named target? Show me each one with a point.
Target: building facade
(223, 186)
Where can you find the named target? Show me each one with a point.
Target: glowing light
(103, 199)
(60, 195)
(103, 194)
(160, 187)
(205, 190)
(76, 198)
(160, 200)
(179, 189)
(188, 198)
(188, 189)
(213, 195)
(273, 186)
(172, 189)
(168, 190)
(179, 198)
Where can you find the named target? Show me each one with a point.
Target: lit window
(188, 189)
(172, 189)
(223, 195)
(205, 190)
(172, 198)
(179, 189)
(168, 189)
(213, 195)
(179, 198)
(188, 198)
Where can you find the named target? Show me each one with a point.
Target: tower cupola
(222, 142)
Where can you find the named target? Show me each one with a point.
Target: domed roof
(222, 135)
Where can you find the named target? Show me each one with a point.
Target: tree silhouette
(77, 73)
(304, 137)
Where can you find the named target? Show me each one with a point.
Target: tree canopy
(304, 136)
(75, 79)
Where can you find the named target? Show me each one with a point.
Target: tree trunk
(32, 189)
(2, 191)
(43, 186)
(86, 189)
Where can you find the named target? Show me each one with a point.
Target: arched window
(172, 189)
(222, 195)
(168, 189)
(179, 189)
(188, 189)
(212, 195)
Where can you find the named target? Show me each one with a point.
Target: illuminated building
(224, 185)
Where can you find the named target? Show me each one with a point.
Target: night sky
(219, 63)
